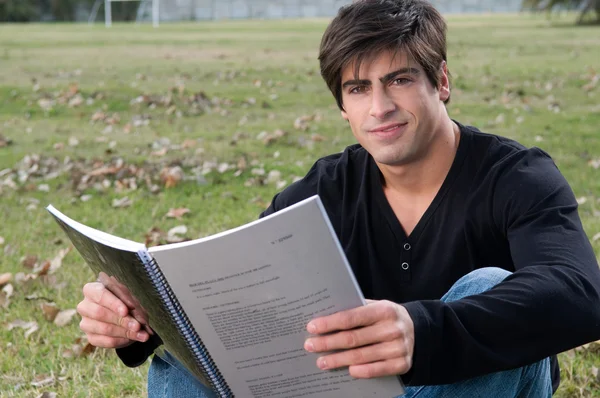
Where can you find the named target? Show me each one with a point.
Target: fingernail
(141, 336)
(311, 328)
(132, 325)
(309, 346)
(322, 363)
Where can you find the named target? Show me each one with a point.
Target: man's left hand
(376, 340)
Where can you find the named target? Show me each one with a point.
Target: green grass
(507, 70)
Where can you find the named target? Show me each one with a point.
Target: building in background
(176, 10)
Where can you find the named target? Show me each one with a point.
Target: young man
(469, 245)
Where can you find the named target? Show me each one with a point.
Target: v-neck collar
(388, 212)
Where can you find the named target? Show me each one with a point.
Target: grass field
(116, 127)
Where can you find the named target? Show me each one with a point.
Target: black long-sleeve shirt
(500, 205)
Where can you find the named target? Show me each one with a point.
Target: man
(469, 245)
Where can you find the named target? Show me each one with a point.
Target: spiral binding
(184, 326)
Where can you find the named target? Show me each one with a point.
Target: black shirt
(500, 205)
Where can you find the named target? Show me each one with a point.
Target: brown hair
(365, 28)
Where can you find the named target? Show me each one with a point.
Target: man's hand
(110, 321)
(376, 340)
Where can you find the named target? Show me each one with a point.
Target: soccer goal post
(108, 10)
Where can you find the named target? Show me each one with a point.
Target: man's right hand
(106, 320)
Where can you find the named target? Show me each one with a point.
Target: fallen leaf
(188, 144)
(56, 262)
(30, 327)
(596, 237)
(274, 176)
(5, 294)
(50, 311)
(301, 123)
(173, 235)
(29, 261)
(123, 202)
(171, 176)
(42, 268)
(154, 237)
(21, 277)
(43, 381)
(47, 394)
(81, 347)
(4, 142)
(317, 137)
(160, 153)
(177, 213)
(64, 317)
(5, 278)
(1, 240)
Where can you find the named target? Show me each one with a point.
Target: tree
(18, 10)
(586, 6)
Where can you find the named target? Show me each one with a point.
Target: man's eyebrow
(401, 71)
(384, 79)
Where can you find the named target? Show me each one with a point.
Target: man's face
(393, 110)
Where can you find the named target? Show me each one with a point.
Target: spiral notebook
(233, 307)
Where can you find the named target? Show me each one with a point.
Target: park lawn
(239, 109)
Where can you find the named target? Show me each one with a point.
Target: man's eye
(401, 81)
(358, 89)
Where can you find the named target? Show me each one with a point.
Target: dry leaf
(8, 290)
(5, 278)
(160, 153)
(188, 144)
(173, 235)
(50, 311)
(80, 348)
(47, 395)
(301, 123)
(30, 327)
(154, 237)
(317, 138)
(43, 381)
(123, 202)
(29, 261)
(21, 277)
(56, 262)
(42, 268)
(274, 176)
(177, 213)
(5, 294)
(64, 317)
(4, 142)
(1, 240)
(171, 176)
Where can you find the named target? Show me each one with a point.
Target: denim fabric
(533, 381)
(167, 378)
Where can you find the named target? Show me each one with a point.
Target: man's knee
(488, 276)
(475, 282)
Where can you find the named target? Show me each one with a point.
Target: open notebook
(233, 307)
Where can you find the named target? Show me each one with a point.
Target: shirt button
(404, 266)
(407, 246)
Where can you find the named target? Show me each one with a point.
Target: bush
(19, 10)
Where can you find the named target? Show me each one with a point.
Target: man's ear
(344, 115)
(444, 86)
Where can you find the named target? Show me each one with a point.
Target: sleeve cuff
(136, 354)
(420, 370)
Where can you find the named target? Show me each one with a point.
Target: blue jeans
(167, 378)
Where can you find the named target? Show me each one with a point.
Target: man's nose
(381, 104)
